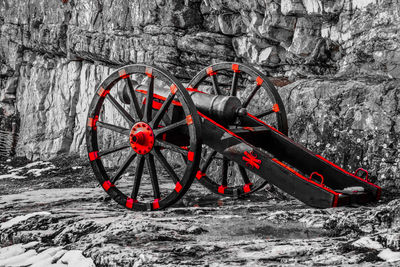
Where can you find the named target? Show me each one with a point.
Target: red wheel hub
(141, 138)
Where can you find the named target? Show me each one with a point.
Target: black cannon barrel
(219, 107)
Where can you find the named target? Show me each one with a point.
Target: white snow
(75, 258)
(38, 172)
(367, 242)
(11, 251)
(22, 218)
(13, 175)
(389, 255)
(17, 260)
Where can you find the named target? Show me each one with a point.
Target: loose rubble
(80, 226)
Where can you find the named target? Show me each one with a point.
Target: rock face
(342, 55)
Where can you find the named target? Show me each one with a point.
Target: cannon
(227, 128)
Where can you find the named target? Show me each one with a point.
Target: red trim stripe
(122, 74)
(260, 121)
(259, 80)
(189, 119)
(103, 92)
(149, 72)
(178, 187)
(346, 172)
(191, 89)
(156, 204)
(235, 67)
(107, 185)
(199, 174)
(190, 155)
(129, 202)
(302, 177)
(210, 71)
(93, 155)
(275, 108)
(221, 189)
(92, 122)
(247, 187)
(173, 88)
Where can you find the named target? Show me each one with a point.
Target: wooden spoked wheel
(261, 99)
(129, 144)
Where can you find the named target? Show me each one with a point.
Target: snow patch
(22, 218)
(389, 255)
(367, 242)
(12, 175)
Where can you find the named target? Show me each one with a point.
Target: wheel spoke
(149, 101)
(242, 171)
(168, 145)
(120, 109)
(252, 94)
(225, 164)
(123, 167)
(234, 83)
(208, 160)
(215, 84)
(265, 113)
(153, 175)
(169, 127)
(135, 108)
(160, 114)
(113, 149)
(114, 128)
(160, 157)
(138, 177)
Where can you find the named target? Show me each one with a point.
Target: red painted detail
(129, 202)
(335, 200)
(164, 136)
(346, 172)
(189, 119)
(185, 147)
(149, 72)
(210, 71)
(173, 89)
(190, 156)
(247, 187)
(156, 105)
(302, 177)
(259, 80)
(93, 155)
(141, 138)
(122, 74)
(220, 126)
(92, 122)
(221, 189)
(176, 103)
(275, 108)
(178, 187)
(251, 129)
(191, 89)
(103, 92)
(199, 174)
(107, 185)
(235, 67)
(363, 170)
(319, 175)
(156, 204)
(260, 121)
(251, 160)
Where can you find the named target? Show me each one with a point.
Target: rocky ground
(54, 214)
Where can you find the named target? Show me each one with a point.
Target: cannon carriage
(227, 127)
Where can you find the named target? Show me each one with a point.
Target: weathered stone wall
(341, 55)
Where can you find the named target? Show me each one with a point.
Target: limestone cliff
(341, 58)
